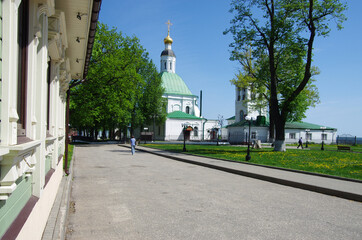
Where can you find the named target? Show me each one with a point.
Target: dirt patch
(71, 207)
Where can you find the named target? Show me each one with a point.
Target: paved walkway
(119, 196)
(344, 188)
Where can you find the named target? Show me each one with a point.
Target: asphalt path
(119, 196)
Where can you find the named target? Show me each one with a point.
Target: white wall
(316, 136)
(19, 159)
(179, 103)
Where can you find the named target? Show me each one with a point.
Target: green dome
(173, 84)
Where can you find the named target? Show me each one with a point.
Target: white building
(238, 127)
(43, 45)
(182, 107)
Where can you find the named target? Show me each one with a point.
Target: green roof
(304, 125)
(246, 123)
(173, 84)
(288, 125)
(181, 115)
(231, 118)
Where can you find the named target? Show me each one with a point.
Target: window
(242, 115)
(324, 136)
(196, 132)
(244, 90)
(165, 66)
(308, 136)
(253, 135)
(239, 94)
(170, 65)
(23, 27)
(188, 110)
(292, 135)
(253, 96)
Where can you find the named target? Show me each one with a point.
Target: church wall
(238, 135)
(180, 102)
(209, 126)
(168, 64)
(174, 127)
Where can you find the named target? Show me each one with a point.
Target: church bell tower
(168, 57)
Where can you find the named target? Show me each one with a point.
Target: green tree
(284, 31)
(114, 93)
(255, 76)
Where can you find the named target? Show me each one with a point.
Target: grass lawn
(356, 148)
(342, 164)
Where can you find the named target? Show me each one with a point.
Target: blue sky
(203, 55)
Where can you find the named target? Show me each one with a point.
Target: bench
(347, 148)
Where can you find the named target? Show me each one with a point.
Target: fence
(348, 140)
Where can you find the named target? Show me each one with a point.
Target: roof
(231, 118)
(84, 28)
(173, 84)
(304, 125)
(288, 125)
(181, 115)
(168, 52)
(246, 123)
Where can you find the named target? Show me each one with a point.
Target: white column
(9, 115)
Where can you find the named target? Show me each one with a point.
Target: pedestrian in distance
(300, 143)
(133, 144)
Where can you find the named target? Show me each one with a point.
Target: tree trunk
(104, 133)
(279, 143)
(271, 127)
(125, 134)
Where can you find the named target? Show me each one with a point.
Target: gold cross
(169, 24)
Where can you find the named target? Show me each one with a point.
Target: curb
(56, 230)
(313, 188)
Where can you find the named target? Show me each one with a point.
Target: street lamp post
(145, 136)
(323, 128)
(217, 137)
(306, 137)
(184, 126)
(184, 131)
(248, 157)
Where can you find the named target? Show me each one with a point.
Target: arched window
(165, 66)
(170, 65)
(196, 132)
(188, 110)
(244, 91)
(241, 115)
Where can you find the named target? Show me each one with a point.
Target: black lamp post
(217, 137)
(248, 157)
(323, 128)
(306, 137)
(184, 132)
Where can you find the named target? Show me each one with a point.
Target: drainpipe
(203, 130)
(66, 133)
(200, 103)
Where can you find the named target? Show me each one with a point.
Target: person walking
(133, 145)
(300, 143)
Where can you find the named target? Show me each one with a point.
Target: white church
(238, 126)
(183, 111)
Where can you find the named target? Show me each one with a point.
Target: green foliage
(279, 35)
(122, 85)
(70, 155)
